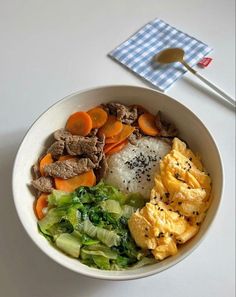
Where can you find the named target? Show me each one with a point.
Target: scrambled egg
(178, 203)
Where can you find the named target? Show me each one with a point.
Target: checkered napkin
(137, 53)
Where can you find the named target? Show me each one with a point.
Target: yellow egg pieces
(178, 203)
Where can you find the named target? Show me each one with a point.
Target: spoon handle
(216, 89)
(210, 84)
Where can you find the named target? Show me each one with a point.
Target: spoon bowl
(170, 55)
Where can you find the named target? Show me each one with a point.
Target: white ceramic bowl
(191, 129)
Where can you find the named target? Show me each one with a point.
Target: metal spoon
(171, 55)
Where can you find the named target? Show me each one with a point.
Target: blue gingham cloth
(137, 53)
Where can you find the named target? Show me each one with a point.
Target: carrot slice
(41, 203)
(126, 131)
(147, 124)
(79, 123)
(69, 185)
(98, 116)
(117, 148)
(110, 146)
(111, 128)
(47, 159)
(66, 157)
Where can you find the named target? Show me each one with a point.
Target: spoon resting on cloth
(172, 55)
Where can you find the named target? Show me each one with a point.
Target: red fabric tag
(205, 62)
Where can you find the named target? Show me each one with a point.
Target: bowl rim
(117, 277)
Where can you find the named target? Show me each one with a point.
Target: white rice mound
(132, 170)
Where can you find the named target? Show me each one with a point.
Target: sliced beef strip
(89, 147)
(36, 172)
(104, 107)
(135, 136)
(93, 133)
(57, 149)
(102, 169)
(100, 146)
(96, 155)
(79, 145)
(43, 184)
(127, 115)
(166, 129)
(62, 134)
(68, 168)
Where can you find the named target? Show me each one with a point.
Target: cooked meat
(36, 172)
(96, 155)
(93, 132)
(104, 107)
(57, 149)
(102, 169)
(135, 136)
(166, 129)
(127, 115)
(89, 147)
(62, 134)
(79, 145)
(68, 168)
(100, 146)
(43, 184)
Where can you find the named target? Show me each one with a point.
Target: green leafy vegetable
(69, 244)
(92, 224)
(110, 238)
(59, 198)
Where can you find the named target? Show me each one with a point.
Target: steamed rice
(133, 168)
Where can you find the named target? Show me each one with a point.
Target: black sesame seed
(177, 175)
(190, 158)
(167, 195)
(179, 202)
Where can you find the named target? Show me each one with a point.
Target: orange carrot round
(98, 116)
(117, 148)
(79, 123)
(69, 185)
(41, 203)
(111, 128)
(126, 131)
(47, 159)
(147, 124)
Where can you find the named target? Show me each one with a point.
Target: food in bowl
(117, 189)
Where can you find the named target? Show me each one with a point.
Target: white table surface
(49, 49)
